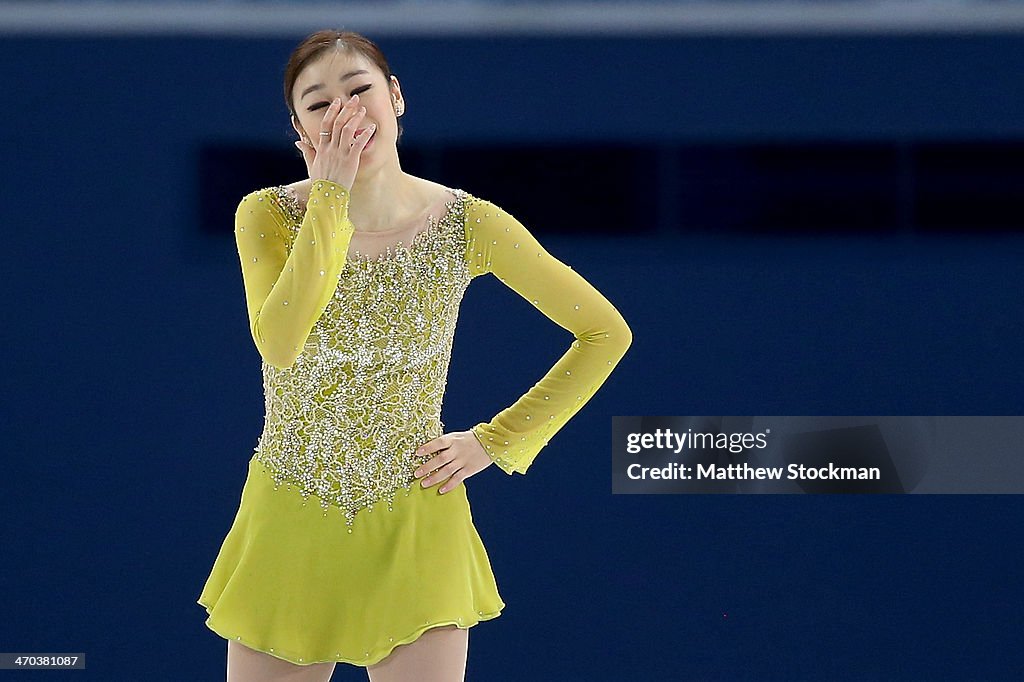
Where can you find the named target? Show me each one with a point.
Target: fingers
(325, 125)
(343, 133)
(364, 137)
(433, 445)
(447, 465)
(448, 473)
(336, 114)
(435, 463)
(442, 455)
(454, 481)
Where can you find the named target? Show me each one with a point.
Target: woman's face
(341, 74)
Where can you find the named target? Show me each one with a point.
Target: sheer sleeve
(288, 284)
(499, 244)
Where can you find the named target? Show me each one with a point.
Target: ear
(396, 90)
(298, 128)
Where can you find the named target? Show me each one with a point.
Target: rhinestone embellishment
(343, 422)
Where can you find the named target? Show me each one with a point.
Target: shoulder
(489, 227)
(482, 207)
(264, 206)
(273, 198)
(487, 215)
(263, 195)
(258, 200)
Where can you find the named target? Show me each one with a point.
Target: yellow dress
(337, 553)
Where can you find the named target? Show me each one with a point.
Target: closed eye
(320, 105)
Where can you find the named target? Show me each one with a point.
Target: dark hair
(317, 43)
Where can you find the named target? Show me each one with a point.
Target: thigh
(438, 655)
(249, 665)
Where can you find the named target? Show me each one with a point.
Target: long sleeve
(499, 244)
(287, 289)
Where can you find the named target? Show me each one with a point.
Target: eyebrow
(344, 78)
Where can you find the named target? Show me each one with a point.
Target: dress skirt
(299, 584)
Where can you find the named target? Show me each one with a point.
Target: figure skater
(353, 541)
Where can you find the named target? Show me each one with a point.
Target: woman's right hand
(335, 157)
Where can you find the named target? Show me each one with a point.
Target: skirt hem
(369, 658)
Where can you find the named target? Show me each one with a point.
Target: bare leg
(249, 665)
(438, 655)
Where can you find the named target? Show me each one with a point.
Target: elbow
(620, 336)
(277, 357)
(273, 354)
(614, 337)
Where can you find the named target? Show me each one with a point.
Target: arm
(499, 244)
(286, 293)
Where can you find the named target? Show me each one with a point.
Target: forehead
(330, 66)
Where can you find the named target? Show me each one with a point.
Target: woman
(354, 540)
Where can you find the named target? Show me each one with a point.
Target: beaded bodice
(343, 422)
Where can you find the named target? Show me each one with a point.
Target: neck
(381, 198)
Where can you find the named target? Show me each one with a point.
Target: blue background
(133, 400)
